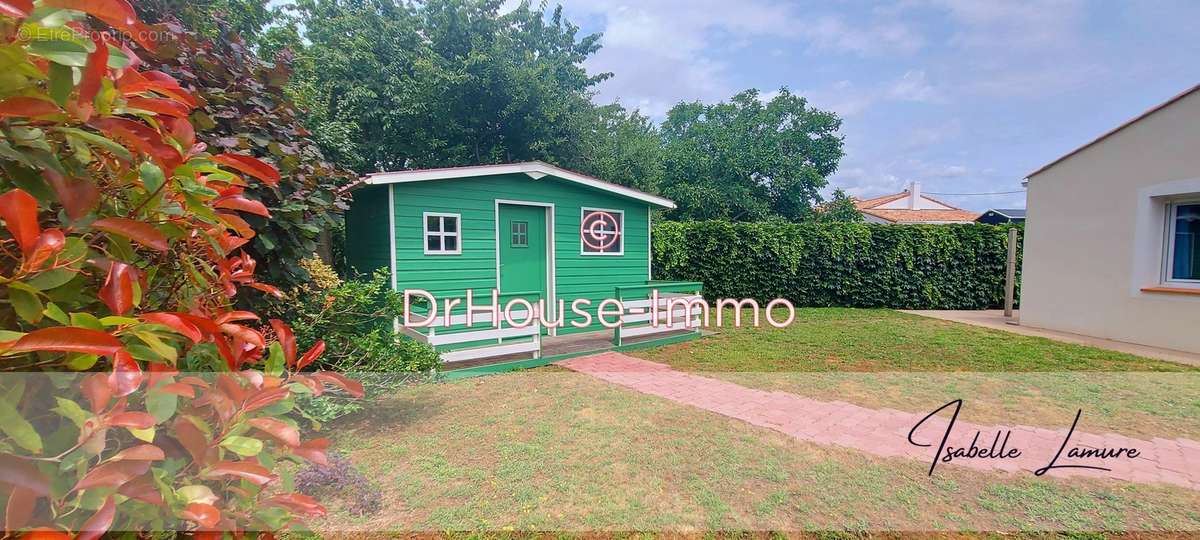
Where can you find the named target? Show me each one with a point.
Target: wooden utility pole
(1010, 274)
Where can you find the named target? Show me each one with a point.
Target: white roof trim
(533, 169)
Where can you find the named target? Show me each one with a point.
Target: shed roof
(532, 169)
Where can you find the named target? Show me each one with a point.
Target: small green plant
(354, 318)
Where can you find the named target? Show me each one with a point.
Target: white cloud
(662, 52)
(867, 179)
(842, 97)
(948, 171)
(1034, 81)
(1017, 48)
(766, 97)
(667, 51)
(922, 137)
(849, 99)
(1015, 24)
(865, 183)
(831, 33)
(913, 86)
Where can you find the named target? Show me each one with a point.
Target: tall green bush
(353, 318)
(839, 264)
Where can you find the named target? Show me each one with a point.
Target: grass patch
(872, 340)
(562, 451)
(883, 358)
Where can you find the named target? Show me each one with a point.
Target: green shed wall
(366, 244)
(576, 276)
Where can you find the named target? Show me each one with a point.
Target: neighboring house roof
(1010, 213)
(947, 214)
(533, 169)
(924, 216)
(872, 203)
(1112, 131)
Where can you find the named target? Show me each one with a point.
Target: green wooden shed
(530, 230)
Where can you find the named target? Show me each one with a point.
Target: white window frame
(620, 251)
(442, 234)
(1169, 245)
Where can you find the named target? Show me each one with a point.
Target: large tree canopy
(443, 82)
(392, 84)
(624, 147)
(746, 160)
(215, 19)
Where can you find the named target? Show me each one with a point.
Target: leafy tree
(745, 160)
(624, 147)
(215, 19)
(443, 82)
(246, 110)
(839, 209)
(120, 255)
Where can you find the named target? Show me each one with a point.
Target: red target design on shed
(600, 231)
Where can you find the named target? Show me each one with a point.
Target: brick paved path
(884, 432)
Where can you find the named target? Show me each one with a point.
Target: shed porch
(501, 347)
(556, 348)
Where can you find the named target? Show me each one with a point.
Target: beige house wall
(1095, 234)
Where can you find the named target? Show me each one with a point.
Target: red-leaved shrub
(120, 256)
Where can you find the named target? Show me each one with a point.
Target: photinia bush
(120, 256)
(247, 111)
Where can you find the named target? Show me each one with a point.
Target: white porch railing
(457, 342)
(677, 309)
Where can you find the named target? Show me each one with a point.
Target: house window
(1183, 237)
(601, 232)
(442, 234)
(520, 234)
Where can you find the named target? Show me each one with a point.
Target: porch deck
(556, 348)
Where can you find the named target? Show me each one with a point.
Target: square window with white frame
(441, 232)
(601, 232)
(1183, 242)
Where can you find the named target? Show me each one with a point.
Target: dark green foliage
(392, 85)
(838, 264)
(214, 19)
(745, 160)
(839, 209)
(246, 111)
(624, 148)
(354, 318)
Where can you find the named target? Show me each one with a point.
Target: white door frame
(551, 286)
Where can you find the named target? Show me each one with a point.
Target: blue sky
(965, 96)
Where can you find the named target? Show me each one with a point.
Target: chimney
(914, 194)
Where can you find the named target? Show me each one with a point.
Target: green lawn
(883, 358)
(870, 340)
(562, 451)
(549, 449)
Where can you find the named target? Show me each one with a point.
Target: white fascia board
(533, 169)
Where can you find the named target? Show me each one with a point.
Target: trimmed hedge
(839, 264)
